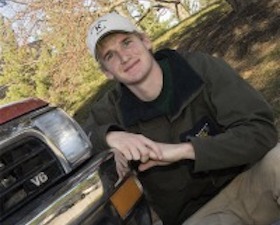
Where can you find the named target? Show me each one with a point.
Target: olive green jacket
(228, 122)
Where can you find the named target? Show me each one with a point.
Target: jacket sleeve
(102, 118)
(242, 112)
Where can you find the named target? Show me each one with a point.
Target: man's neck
(150, 88)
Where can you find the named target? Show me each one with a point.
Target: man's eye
(109, 56)
(127, 42)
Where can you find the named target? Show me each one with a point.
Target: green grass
(183, 30)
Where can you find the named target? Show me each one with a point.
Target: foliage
(56, 66)
(17, 71)
(152, 25)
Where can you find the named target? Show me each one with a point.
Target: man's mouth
(131, 66)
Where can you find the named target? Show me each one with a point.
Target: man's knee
(268, 169)
(272, 158)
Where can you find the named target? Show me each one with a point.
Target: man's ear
(107, 73)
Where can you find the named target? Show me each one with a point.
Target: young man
(192, 128)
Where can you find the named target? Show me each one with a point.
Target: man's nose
(124, 56)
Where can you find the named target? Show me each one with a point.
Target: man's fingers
(150, 164)
(147, 147)
(123, 161)
(144, 158)
(127, 154)
(134, 146)
(154, 150)
(135, 152)
(122, 171)
(147, 165)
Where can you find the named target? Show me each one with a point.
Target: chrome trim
(73, 201)
(33, 132)
(73, 204)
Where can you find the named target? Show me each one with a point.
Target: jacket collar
(186, 83)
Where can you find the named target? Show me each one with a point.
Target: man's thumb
(147, 165)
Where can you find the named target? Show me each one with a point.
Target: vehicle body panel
(39, 184)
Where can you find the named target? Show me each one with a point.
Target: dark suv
(49, 174)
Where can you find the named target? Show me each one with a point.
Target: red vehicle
(50, 175)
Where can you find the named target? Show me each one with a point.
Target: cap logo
(100, 26)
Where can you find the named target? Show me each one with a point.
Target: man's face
(126, 57)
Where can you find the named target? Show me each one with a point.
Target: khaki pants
(252, 198)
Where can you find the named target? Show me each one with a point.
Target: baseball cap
(106, 24)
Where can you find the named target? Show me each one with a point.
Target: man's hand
(150, 153)
(121, 163)
(134, 146)
(170, 153)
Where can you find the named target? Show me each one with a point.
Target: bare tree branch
(6, 2)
